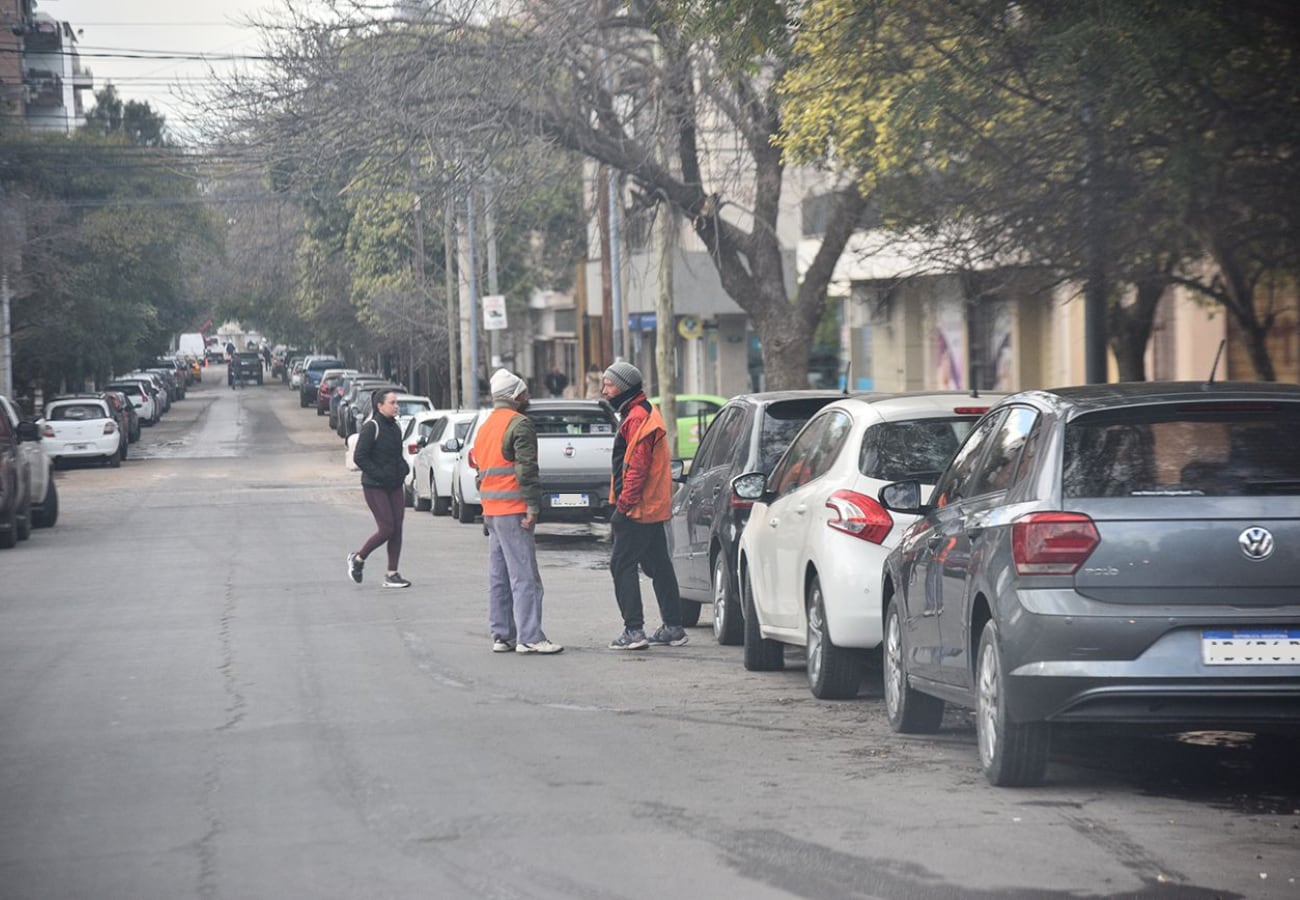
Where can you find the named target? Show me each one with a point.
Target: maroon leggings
(388, 506)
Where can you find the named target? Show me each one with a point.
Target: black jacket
(378, 453)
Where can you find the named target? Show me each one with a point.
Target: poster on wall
(949, 346)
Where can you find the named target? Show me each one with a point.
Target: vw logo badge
(1256, 543)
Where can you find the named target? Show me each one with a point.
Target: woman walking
(378, 455)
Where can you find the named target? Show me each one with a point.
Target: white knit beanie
(506, 385)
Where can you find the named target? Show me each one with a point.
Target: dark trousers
(644, 545)
(388, 506)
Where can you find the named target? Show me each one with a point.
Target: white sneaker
(501, 645)
(542, 646)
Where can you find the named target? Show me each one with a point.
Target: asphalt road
(195, 701)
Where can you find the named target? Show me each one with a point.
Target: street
(195, 701)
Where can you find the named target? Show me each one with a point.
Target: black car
(246, 367)
(749, 434)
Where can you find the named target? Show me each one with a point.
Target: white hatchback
(441, 438)
(81, 428)
(813, 551)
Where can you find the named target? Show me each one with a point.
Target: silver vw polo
(1125, 553)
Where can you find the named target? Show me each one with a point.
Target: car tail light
(110, 427)
(738, 503)
(970, 410)
(48, 431)
(1052, 543)
(412, 449)
(472, 459)
(860, 516)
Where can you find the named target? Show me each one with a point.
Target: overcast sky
(109, 29)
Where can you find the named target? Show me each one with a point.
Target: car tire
(408, 496)
(319, 411)
(49, 511)
(761, 654)
(9, 531)
(465, 513)
(302, 400)
(440, 506)
(728, 623)
(909, 710)
(114, 460)
(834, 673)
(1012, 754)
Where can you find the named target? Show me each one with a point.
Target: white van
(191, 344)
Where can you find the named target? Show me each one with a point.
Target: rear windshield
(411, 407)
(76, 412)
(572, 421)
(1197, 449)
(781, 422)
(901, 451)
(323, 364)
(128, 389)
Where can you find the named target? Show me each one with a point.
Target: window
(781, 422)
(1003, 458)
(77, 412)
(955, 483)
(812, 452)
(901, 451)
(723, 441)
(1205, 449)
(573, 422)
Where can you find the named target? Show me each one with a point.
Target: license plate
(78, 446)
(1251, 647)
(559, 501)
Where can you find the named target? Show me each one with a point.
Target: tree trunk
(1129, 327)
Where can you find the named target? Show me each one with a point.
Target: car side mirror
(749, 486)
(678, 469)
(451, 445)
(902, 497)
(28, 431)
(422, 443)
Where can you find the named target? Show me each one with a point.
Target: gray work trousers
(514, 584)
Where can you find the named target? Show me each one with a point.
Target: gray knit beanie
(624, 375)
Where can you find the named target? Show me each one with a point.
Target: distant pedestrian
(510, 488)
(378, 455)
(266, 357)
(556, 382)
(230, 351)
(641, 491)
(592, 390)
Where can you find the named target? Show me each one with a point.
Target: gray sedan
(1112, 553)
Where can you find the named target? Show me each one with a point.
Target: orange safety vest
(656, 503)
(498, 485)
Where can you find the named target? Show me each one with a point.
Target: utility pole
(619, 323)
(490, 232)
(453, 329)
(471, 387)
(422, 293)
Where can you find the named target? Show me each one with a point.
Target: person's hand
(617, 520)
(528, 521)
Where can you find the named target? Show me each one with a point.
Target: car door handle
(801, 509)
(772, 523)
(717, 489)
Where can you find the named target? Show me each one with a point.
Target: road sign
(494, 312)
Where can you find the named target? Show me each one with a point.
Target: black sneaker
(672, 635)
(355, 566)
(395, 581)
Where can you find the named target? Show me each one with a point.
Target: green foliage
(110, 228)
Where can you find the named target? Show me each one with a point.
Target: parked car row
(28, 496)
(1118, 554)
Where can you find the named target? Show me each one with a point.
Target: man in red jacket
(641, 489)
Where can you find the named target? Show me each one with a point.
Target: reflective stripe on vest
(499, 488)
